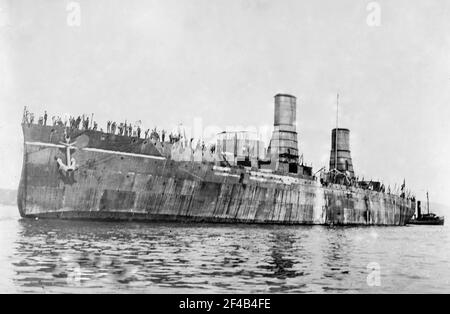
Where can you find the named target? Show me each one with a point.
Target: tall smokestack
(341, 153)
(284, 144)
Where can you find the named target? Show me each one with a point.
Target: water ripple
(79, 256)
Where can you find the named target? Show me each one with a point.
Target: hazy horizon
(167, 62)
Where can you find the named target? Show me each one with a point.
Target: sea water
(56, 256)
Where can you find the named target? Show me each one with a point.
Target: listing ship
(73, 173)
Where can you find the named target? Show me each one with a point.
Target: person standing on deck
(25, 115)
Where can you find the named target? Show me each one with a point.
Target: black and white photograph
(224, 152)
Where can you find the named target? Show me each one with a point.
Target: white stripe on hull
(122, 153)
(45, 144)
(97, 150)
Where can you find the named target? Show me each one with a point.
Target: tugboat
(428, 218)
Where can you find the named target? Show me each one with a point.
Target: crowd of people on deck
(341, 178)
(83, 122)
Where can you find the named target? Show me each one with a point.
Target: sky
(216, 64)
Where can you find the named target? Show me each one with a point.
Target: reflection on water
(80, 256)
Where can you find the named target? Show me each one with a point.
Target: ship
(83, 173)
(428, 218)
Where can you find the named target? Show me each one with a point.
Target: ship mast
(428, 204)
(336, 132)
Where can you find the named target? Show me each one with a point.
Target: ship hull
(438, 222)
(135, 182)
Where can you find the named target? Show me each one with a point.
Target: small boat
(426, 219)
